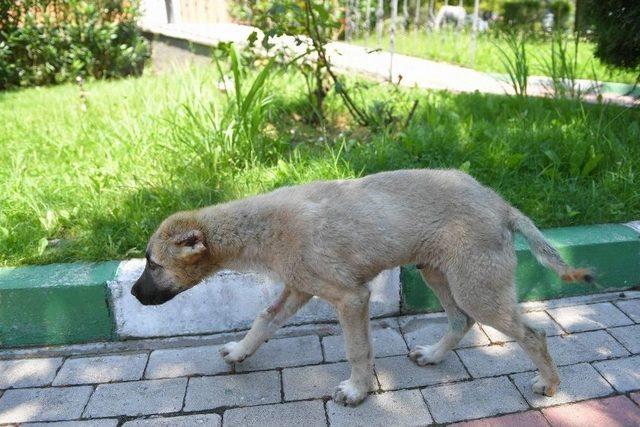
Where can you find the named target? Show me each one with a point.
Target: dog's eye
(152, 265)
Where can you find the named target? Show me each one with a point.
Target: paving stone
(622, 374)
(635, 397)
(473, 399)
(182, 362)
(43, 404)
(427, 330)
(284, 352)
(86, 423)
(584, 347)
(525, 419)
(631, 308)
(103, 369)
(629, 336)
(199, 420)
(497, 359)
(538, 319)
(386, 342)
(28, 372)
(394, 408)
(311, 382)
(135, 398)
(612, 411)
(293, 414)
(578, 382)
(400, 372)
(256, 388)
(589, 317)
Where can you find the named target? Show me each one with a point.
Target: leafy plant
(52, 41)
(515, 60)
(522, 15)
(562, 66)
(230, 133)
(312, 25)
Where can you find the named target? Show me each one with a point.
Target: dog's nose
(134, 291)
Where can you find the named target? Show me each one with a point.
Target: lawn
(91, 183)
(455, 48)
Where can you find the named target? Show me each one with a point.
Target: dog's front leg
(264, 326)
(353, 312)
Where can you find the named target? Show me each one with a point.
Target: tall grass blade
(258, 83)
(237, 78)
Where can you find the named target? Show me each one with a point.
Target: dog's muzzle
(148, 293)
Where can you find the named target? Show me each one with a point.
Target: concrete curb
(90, 302)
(55, 304)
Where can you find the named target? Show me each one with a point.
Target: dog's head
(178, 257)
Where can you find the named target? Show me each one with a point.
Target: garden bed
(87, 174)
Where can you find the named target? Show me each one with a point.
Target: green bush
(615, 26)
(52, 41)
(524, 15)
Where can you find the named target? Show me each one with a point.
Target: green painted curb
(605, 87)
(56, 304)
(611, 250)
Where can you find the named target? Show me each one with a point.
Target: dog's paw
(349, 394)
(540, 386)
(426, 355)
(233, 352)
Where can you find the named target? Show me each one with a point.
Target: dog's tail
(545, 253)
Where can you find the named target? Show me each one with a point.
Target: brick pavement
(486, 382)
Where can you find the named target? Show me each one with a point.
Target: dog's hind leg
(491, 301)
(459, 321)
(353, 313)
(534, 342)
(265, 325)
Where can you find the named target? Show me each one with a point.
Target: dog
(329, 238)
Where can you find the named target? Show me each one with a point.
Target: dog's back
(394, 218)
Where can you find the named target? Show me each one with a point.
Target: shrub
(615, 26)
(51, 41)
(523, 15)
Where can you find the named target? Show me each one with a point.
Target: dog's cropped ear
(191, 245)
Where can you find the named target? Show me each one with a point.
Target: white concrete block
(227, 301)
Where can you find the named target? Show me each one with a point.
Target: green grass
(455, 48)
(93, 185)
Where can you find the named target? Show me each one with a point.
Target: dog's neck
(240, 234)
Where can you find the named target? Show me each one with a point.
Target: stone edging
(91, 302)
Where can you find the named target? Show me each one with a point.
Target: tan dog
(330, 238)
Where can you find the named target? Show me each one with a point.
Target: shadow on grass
(123, 232)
